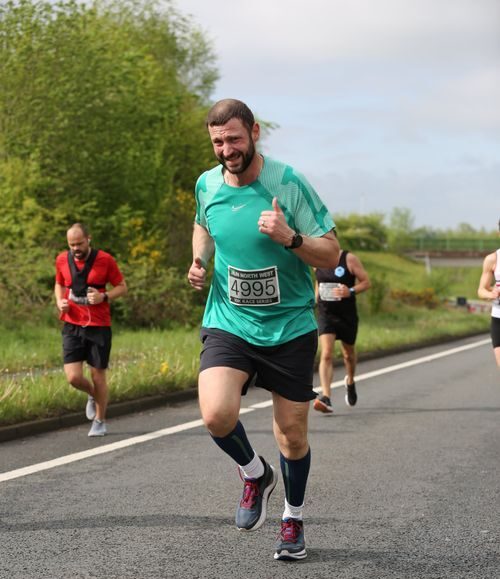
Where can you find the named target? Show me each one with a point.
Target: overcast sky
(380, 103)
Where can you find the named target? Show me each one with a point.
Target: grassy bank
(151, 362)
(143, 363)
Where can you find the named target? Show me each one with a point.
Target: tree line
(101, 121)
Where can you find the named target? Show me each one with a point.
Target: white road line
(41, 466)
(415, 362)
(96, 451)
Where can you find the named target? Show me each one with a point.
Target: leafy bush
(366, 232)
(377, 293)
(426, 297)
(158, 297)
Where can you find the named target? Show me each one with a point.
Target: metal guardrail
(472, 306)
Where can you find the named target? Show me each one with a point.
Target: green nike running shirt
(260, 291)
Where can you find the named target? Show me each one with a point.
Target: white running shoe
(98, 428)
(90, 408)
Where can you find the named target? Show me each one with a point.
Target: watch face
(297, 240)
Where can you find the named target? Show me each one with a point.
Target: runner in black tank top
(336, 291)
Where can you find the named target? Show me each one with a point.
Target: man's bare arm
(319, 251)
(203, 250)
(486, 290)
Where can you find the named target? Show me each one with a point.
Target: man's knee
(497, 356)
(292, 439)
(218, 422)
(349, 354)
(325, 355)
(75, 379)
(98, 376)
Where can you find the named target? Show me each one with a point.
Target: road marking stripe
(69, 458)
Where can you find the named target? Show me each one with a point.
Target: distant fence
(463, 245)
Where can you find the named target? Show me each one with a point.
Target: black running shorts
(345, 328)
(286, 369)
(91, 344)
(495, 332)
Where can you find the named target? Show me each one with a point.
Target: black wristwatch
(297, 241)
(105, 297)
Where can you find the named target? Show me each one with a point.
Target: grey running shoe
(90, 408)
(291, 544)
(323, 404)
(98, 428)
(252, 509)
(350, 397)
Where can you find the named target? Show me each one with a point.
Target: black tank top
(339, 274)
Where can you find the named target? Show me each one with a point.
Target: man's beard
(79, 254)
(246, 159)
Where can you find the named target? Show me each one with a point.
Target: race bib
(253, 287)
(326, 291)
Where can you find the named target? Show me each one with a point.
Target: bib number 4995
(255, 287)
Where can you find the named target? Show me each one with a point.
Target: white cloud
(466, 103)
(329, 30)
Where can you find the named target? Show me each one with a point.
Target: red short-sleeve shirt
(104, 270)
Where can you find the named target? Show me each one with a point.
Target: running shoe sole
(322, 407)
(287, 556)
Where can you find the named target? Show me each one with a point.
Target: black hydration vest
(79, 277)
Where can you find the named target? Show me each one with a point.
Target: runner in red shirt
(82, 274)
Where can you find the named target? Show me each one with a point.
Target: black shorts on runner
(344, 328)
(91, 344)
(286, 369)
(495, 332)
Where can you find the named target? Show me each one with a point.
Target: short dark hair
(226, 109)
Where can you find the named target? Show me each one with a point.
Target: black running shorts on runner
(286, 369)
(495, 332)
(91, 344)
(344, 328)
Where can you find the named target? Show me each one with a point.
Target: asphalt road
(405, 485)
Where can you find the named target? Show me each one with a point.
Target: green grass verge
(143, 364)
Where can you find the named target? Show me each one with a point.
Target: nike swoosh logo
(238, 207)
